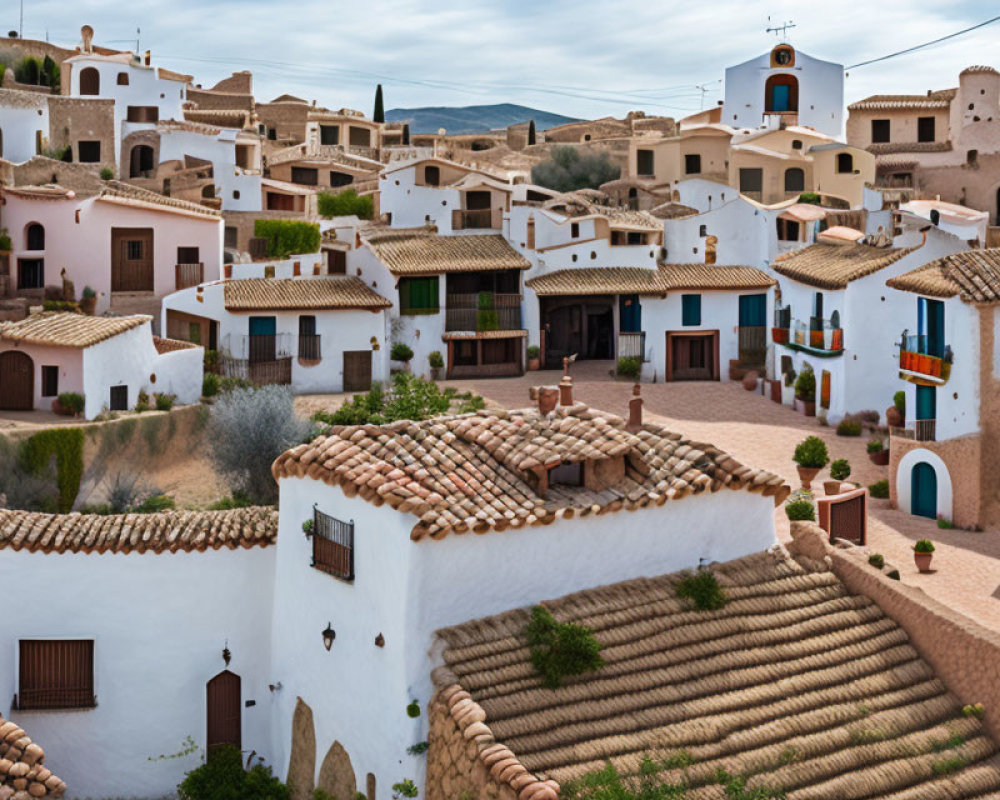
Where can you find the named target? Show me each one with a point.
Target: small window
(333, 545)
(329, 134)
(796, 144)
(30, 273)
(236, 194)
(50, 381)
(119, 398)
(972, 158)
(432, 176)
(644, 163)
(574, 230)
(703, 231)
(133, 250)
(307, 176)
(307, 326)
(308, 340)
(692, 164)
(925, 129)
(691, 309)
(845, 163)
(188, 255)
(751, 179)
(123, 79)
(55, 673)
(89, 152)
(795, 180)
(338, 179)
(566, 474)
(418, 295)
(272, 134)
(35, 236)
(880, 131)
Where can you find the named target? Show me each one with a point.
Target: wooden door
(692, 358)
(336, 262)
(357, 370)
(923, 491)
(223, 707)
(131, 259)
(17, 381)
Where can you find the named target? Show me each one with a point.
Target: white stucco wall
(904, 479)
(69, 360)
(159, 624)
(220, 149)
(20, 126)
(282, 267)
(405, 591)
(412, 206)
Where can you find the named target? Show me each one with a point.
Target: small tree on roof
(379, 113)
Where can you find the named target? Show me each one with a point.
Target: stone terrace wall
(962, 457)
(964, 654)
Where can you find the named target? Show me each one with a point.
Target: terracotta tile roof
(794, 664)
(833, 266)
(166, 532)
(972, 275)
(420, 251)
(66, 329)
(116, 191)
(477, 471)
(673, 210)
(188, 126)
(636, 280)
(349, 292)
(905, 102)
(164, 345)
(222, 117)
(23, 762)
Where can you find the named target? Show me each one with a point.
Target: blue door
(263, 339)
(629, 313)
(923, 491)
(926, 402)
(780, 96)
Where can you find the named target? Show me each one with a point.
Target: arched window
(208, 190)
(845, 163)
(90, 81)
(141, 161)
(795, 180)
(781, 94)
(35, 235)
(123, 79)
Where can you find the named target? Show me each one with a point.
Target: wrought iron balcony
(464, 313)
(921, 430)
(915, 357)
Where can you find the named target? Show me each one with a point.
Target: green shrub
(28, 70)
(879, 489)
(559, 649)
(790, 378)
(849, 427)
(231, 383)
(608, 783)
(702, 588)
(629, 367)
(164, 402)
(344, 204)
(899, 400)
(50, 72)
(805, 385)
(472, 404)
(569, 169)
(413, 709)
(811, 452)
(210, 385)
(107, 174)
(235, 500)
(88, 293)
(60, 305)
(66, 446)
(800, 510)
(319, 794)
(946, 766)
(840, 470)
(286, 237)
(977, 710)
(401, 352)
(894, 574)
(155, 504)
(5, 241)
(72, 401)
(945, 524)
(405, 788)
(436, 360)
(534, 351)
(222, 777)
(417, 749)
(875, 446)
(923, 546)
(141, 402)
(877, 560)
(809, 197)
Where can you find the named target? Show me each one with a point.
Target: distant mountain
(473, 119)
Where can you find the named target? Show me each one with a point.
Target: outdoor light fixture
(328, 636)
(226, 655)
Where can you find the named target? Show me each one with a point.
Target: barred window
(56, 673)
(333, 545)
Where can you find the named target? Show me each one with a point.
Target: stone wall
(989, 420)
(972, 185)
(962, 457)
(81, 178)
(76, 119)
(964, 654)
(453, 768)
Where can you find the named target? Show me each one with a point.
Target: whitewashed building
(24, 124)
(108, 360)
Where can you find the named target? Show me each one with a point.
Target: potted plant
(810, 456)
(400, 356)
(534, 357)
(878, 453)
(436, 362)
(779, 335)
(88, 301)
(68, 404)
(895, 415)
(923, 552)
(788, 388)
(840, 470)
(805, 391)
(6, 245)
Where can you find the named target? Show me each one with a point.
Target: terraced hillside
(794, 684)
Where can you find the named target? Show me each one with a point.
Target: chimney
(634, 411)
(87, 38)
(566, 391)
(548, 396)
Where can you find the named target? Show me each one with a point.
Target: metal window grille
(333, 545)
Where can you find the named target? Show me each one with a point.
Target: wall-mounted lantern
(329, 634)
(226, 655)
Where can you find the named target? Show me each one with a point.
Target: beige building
(945, 143)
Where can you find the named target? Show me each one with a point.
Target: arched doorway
(223, 701)
(781, 94)
(17, 381)
(923, 490)
(141, 161)
(90, 81)
(34, 236)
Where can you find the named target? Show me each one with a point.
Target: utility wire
(925, 44)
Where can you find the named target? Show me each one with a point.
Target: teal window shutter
(691, 309)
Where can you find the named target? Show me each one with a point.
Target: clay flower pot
(893, 418)
(779, 335)
(831, 487)
(881, 458)
(534, 363)
(808, 407)
(806, 475)
(923, 561)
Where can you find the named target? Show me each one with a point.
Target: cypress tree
(406, 133)
(379, 115)
(531, 133)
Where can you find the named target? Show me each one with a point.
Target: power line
(925, 44)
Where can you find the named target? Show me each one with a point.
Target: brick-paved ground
(764, 434)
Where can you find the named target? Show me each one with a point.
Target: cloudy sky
(582, 58)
